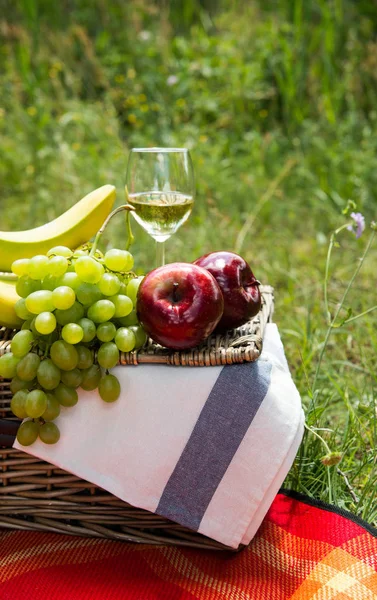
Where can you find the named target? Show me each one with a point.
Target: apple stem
(99, 233)
(175, 289)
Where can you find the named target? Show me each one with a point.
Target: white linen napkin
(207, 447)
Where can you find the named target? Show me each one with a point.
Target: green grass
(276, 101)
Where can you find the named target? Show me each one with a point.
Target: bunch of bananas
(73, 228)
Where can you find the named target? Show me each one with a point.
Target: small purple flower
(358, 225)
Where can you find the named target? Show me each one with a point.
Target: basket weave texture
(36, 495)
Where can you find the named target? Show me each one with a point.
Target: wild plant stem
(331, 244)
(266, 197)
(360, 315)
(330, 486)
(349, 486)
(313, 431)
(327, 268)
(341, 303)
(99, 233)
(350, 283)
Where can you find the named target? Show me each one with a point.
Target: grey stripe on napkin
(222, 424)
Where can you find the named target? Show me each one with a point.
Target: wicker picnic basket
(35, 495)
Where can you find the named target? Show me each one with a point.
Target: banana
(74, 227)
(8, 298)
(6, 276)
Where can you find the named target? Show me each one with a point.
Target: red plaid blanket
(303, 551)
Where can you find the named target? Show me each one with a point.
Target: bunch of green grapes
(78, 314)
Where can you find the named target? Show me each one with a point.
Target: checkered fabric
(303, 551)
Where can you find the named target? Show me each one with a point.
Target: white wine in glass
(160, 186)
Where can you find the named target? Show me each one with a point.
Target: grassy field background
(277, 101)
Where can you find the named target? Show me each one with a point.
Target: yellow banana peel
(8, 298)
(73, 228)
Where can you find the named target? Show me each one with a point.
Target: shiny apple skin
(179, 305)
(240, 289)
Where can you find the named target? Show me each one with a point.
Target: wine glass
(160, 186)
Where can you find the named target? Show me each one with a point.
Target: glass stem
(160, 254)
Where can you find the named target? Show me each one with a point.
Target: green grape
(43, 339)
(88, 269)
(119, 260)
(66, 396)
(49, 433)
(17, 404)
(35, 403)
(91, 378)
(125, 339)
(88, 293)
(123, 288)
(8, 365)
(21, 343)
(18, 384)
(40, 301)
(79, 252)
(70, 279)
(70, 315)
(27, 324)
(60, 251)
(38, 266)
(32, 327)
(21, 310)
(106, 331)
(64, 355)
(88, 328)
(28, 366)
(26, 286)
(101, 311)
(123, 305)
(132, 288)
(72, 333)
(108, 355)
(49, 283)
(53, 408)
(45, 323)
(20, 267)
(129, 320)
(109, 388)
(58, 265)
(72, 378)
(48, 374)
(140, 335)
(85, 357)
(27, 433)
(109, 284)
(63, 297)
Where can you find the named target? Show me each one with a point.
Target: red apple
(240, 289)
(179, 305)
